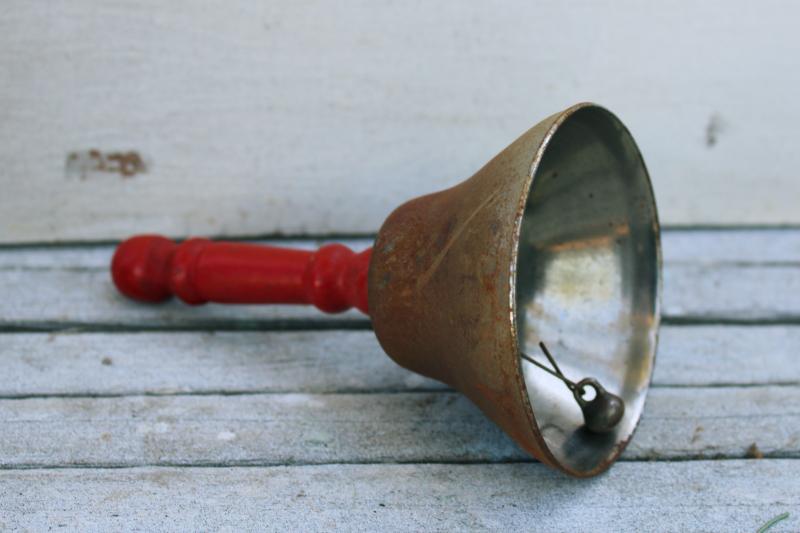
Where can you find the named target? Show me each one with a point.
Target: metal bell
(555, 238)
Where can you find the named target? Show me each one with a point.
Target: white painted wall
(311, 117)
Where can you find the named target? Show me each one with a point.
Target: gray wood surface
(289, 116)
(693, 496)
(761, 246)
(274, 429)
(113, 364)
(108, 426)
(742, 278)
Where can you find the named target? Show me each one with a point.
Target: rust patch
(82, 164)
(753, 452)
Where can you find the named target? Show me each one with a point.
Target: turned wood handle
(152, 268)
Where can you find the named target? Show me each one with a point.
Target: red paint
(152, 268)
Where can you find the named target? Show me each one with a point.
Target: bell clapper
(602, 413)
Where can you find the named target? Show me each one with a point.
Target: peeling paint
(82, 164)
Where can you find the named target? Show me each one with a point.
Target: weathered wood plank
(166, 363)
(697, 496)
(732, 292)
(78, 277)
(247, 114)
(334, 361)
(89, 256)
(719, 355)
(52, 299)
(696, 246)
(42, 292)
(45, 298)
(740, 246)
(268, 429)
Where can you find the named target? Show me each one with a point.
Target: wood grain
(775, 246)
(318, 430)
(270, 429)
(696, 496)
(47, 288)
(290, 117)
(49, 299)
(104, 364)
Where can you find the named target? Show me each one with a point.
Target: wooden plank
(245, 115)
(731, 292)
(695, 246)
(695, 496)
(267, 429)
(48, 288)
(200, 363)
(36, 279)
(739, 246)
(56, 298)
(722, 355)
(89, 256)
(41, 364)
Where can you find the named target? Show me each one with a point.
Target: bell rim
(543, 447)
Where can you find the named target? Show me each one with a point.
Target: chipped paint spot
(83, 164)
(159, 427)
(226, 435)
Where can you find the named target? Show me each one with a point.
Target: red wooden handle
(152, 268)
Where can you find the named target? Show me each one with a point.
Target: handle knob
(152, 268)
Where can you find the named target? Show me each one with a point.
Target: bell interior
(588, 283)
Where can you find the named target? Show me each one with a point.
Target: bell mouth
(588, 278)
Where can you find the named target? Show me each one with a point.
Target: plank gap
(198, 326)
(442, 389)
(322, 324)
(370, 236)
(393, 462)
(379, 428)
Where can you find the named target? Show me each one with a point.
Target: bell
(555, 242)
